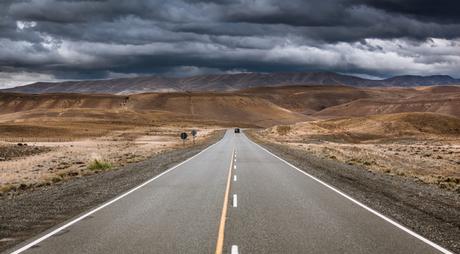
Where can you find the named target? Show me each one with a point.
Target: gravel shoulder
(427, 209)
(30, 212)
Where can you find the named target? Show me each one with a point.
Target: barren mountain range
(246, 100)
(250, 107)
(227, 82)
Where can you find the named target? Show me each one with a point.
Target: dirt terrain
(44, 163)
(12, 151)
(421, 146)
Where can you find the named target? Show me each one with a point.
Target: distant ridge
(226, 82)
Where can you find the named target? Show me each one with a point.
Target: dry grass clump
(96, 165)
(283, 129)
(7, 187)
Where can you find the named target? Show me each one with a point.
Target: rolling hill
(217, 108)
(441, 103)
(375, 128)
(308, 99)
(395, 125)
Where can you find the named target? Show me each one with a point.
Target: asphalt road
(233, 197)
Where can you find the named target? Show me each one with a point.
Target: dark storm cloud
(444, 11)
(51, 39)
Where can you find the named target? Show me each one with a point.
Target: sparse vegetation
(283, 129)
(99, 165)
(7, 187)
(43, 163)
(422, 146)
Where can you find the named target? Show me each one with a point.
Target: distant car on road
(237, 130)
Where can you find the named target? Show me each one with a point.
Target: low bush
(283, 129)
(99, 165)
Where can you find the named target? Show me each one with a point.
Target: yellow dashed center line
(220, 237)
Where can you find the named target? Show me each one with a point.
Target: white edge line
(394, 223)
(35, 242)
(235, 200)
(234, 249)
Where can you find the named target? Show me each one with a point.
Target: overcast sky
(46, 40)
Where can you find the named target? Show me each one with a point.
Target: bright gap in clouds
(8, 79)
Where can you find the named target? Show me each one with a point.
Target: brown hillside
(213, 106)
(228, 109)
(396, 125)
(308, 99)
(441, 103)
(261, 107)
(440, 89)
(14, 102)
(376, 127)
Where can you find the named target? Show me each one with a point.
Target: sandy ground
(64, 160)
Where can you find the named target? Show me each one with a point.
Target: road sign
(183, 136)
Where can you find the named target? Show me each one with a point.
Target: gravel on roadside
(30, 212)
(426, 209)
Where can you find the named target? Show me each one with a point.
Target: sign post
(194, 132)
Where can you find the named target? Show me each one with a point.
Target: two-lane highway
(233, 197)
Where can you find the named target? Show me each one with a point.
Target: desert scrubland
(423, 146)
(30, 163)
